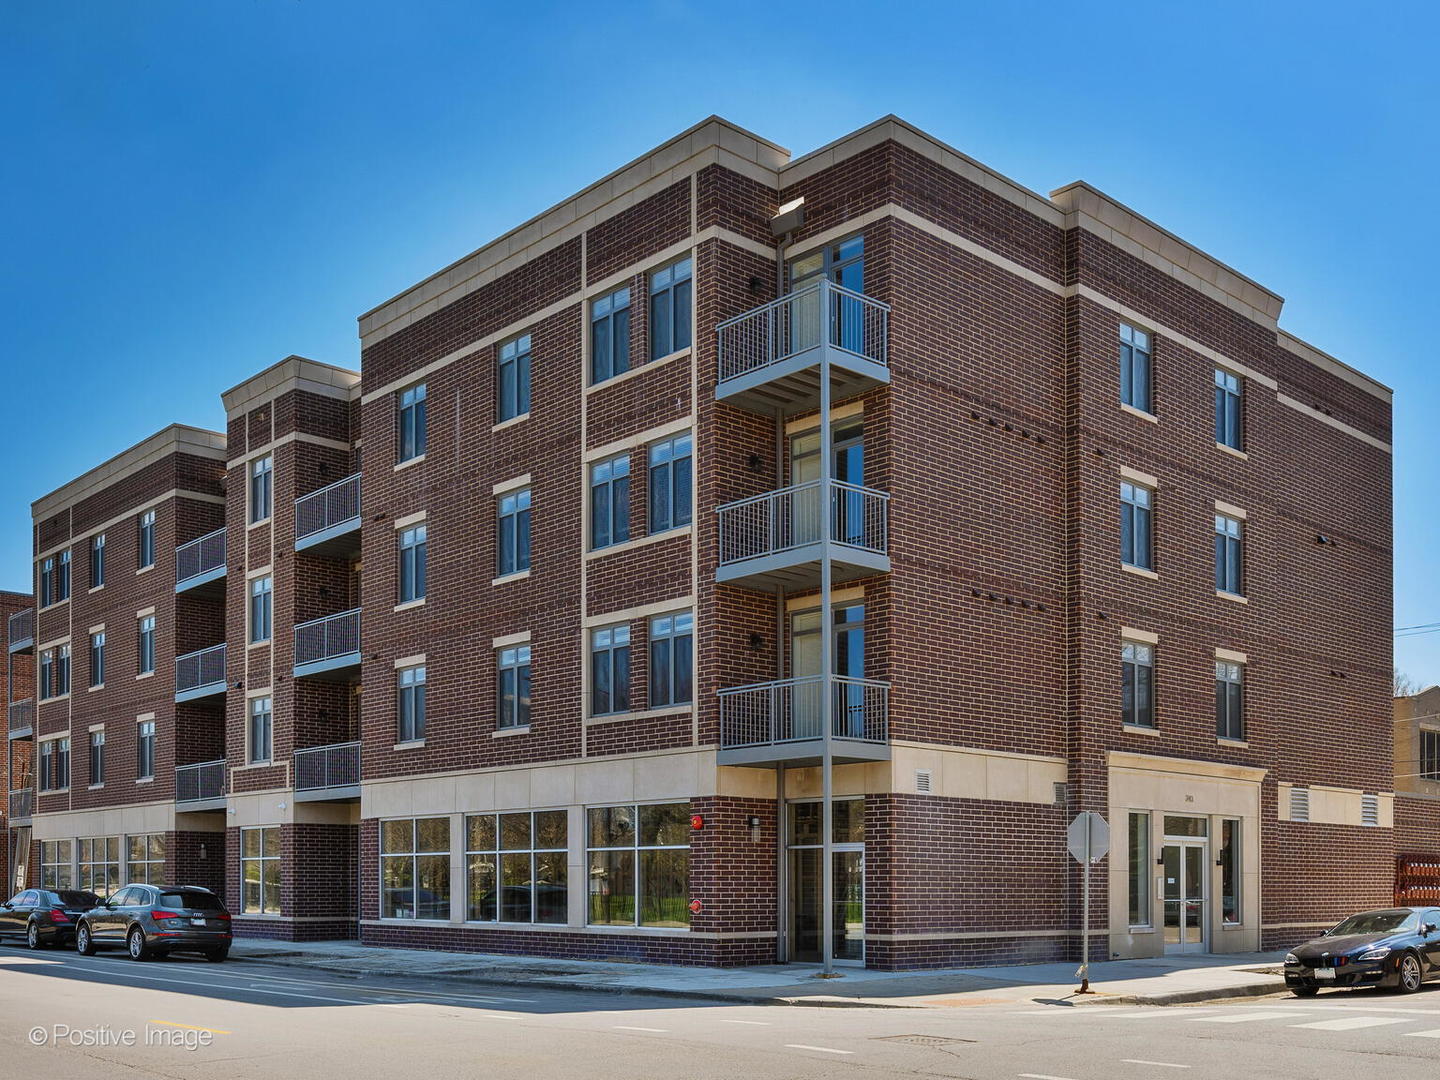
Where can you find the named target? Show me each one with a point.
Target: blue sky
(190, 192)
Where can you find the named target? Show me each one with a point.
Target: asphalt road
(65, 1016)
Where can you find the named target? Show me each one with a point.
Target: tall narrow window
(513, 385)
(46, 772)
(672, 680)
(1227, 408)
(145, 750)
(610, 336)
(147, 539)
(262, 489)
(260, 871)
(62, 577)
(1429, 754)
(1135, 526)
(670, 483)
(261, 729)
(1137, 671)
(47, 581)
(1229, 700)
(1139, 869)
(1230, 876)
(670, 309)
(62, 670)
(145, 659)
(261, 609)
(97, 560)
(610, 670)
(411, 704)
(412, 564)
(1229, 553)
(62, 763)
(415, 868)
(97, 658)
(1135, 367)
(45, 678)
(610, 502)
(97, 757)
(514, 687)
(513, 541)
(411, 421)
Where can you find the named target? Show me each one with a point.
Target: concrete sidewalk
(1161, 981)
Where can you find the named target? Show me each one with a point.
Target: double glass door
(805, 892)
(1183, 895)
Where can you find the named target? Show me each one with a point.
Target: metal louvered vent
(1369, 809)
(923, 781)
(1062, 793)
(1299, 804)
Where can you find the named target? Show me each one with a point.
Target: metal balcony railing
(22, 803)
(325, 509)
(198, 783)
(820, 313)
(788, 710)
(793, 517)
(202, 555)
(22, 628)
(205, 667)
(327, 638)
(22, 715)
(334, 766)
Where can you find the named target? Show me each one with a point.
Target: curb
(1191, 997)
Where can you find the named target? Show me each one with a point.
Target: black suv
(45, 916)
(150, 919)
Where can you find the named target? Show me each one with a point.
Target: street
(70, 1016)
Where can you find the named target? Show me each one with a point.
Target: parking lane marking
(817, 1049)
(1158, 1064)
(1432, 1034)
(1041, 1076)
(755, 1023)
(189, 1027)
(1350, 1023)
(632, 1027)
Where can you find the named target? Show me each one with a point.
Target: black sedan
(45, 916)
(1394, 948)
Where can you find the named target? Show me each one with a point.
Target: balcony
(22, 631)
(329, 648)
(774, 722)
(327, 522)
(777, 539)
(770, 358)
(22, 806)
(200, 564)
(328, 773)
(200, 787)
(200, 674)
(22, 718)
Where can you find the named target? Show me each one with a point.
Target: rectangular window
(1135, 526)
(415, 868)
(513, 384)
(412, 564)
(513, 541)
(610, 670)
(1429, 754)
(640, 865)
(670, 483)
(261, 608)
(1139, 869)
(97, 658)
(672, 664)
(1137, 673)
(513, 692)
(100, 865)
(146, 660)
(97, 756)
(147, 539)
(145, 750)
(1230, 875)
(1229, 555)
(261, 488)
(610, 502)
(610, 336)
(516, 867)
(1227, 408)
(1229, 700)
(260, 871)
(97, 561)
(411, 704)
(670, 309)
(54, 773)
(62, 577)
(145, 860)
(47, 581)
(57, 864)
(1135, 367)
(261, 729)
(62, 670)
(45, 680)
(411, 423)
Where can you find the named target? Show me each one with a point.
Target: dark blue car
(1394, 948)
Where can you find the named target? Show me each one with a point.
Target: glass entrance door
(1183, 894)
(847, 659)
(847, 507)
(805, 888)
(844, 264)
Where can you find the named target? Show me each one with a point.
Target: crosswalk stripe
(1432, 1034)
(1350, 1023)
(1246, 1017)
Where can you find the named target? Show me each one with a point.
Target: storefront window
(640, 865)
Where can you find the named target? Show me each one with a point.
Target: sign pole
(1088, 839)
(1085, 928)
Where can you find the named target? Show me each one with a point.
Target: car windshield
(195, 901)
(1377, 922)
(78, 899)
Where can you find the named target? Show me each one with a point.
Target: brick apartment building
(1069, 537)
(1417, 794)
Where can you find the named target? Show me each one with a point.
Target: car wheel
(1304, 991)
(135, 943)
(1411, 976)
(216, 955)
(84, 945)
(32, 936)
